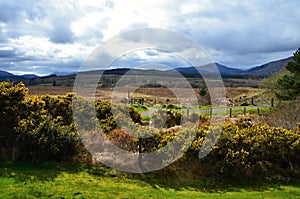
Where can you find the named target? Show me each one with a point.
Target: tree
(202, 91)
(204, 94)
(289, 84)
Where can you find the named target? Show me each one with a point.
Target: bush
(36, 128)
(166, 119)
(123, 140)
(243, 150)
(252, 150)
(286, 115)
(11, 100)
(45, 132)
(106, 118)
(41, 128)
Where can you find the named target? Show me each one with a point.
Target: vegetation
(51, 180)
(39, 129)
(289, 84)
(286, 87)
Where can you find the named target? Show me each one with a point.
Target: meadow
(52, 180)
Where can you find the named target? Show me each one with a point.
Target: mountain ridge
(267, 69)
(264, 70)
(222, 69)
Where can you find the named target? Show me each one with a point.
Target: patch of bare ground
(51, 90)
(240, 92)
(151, 95)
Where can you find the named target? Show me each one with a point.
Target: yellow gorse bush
(41, 128)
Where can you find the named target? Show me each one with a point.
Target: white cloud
(236, 33)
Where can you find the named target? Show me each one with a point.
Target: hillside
(268, 69)
(262, 71)
(231, 76)
(5, 74)
(224, 70)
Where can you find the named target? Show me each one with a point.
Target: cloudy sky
(44, 37)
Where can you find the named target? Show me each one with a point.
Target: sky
(45, 37)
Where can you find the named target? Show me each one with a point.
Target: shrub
(243, 150)
(166, 119)
(106, 117)
(41, 128)
(11, 98)
(123, 139)
(45, 131)
(286, 115)
(46, 140)
(252, 150)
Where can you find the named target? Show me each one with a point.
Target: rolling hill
(267, 69)
(262, 71)
(224, 70)
(5, 74)
(231, 74)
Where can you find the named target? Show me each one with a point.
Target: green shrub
(252, 150)
(11, 99)
(41, 128)
(166, 119)
(243, 150)
(105, 115)
(45, 131)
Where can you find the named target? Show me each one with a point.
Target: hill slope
(224, 70)
(5, 74)
(268, 69)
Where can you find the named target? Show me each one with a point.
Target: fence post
(272, 102)
(252, 101)
(140, 153)
(210, 113)
(257, 111)
(128, 96)
(244, 111)
(230, 112)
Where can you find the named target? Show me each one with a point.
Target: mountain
(265, 70)
(64, 73)
(261, 71)
(209, 69)
(5, 74)
(29, 76)
(268, 69)
(225, 70)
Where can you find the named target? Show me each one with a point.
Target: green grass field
(61, 181)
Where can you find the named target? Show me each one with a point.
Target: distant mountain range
(6, 74)
(9, 76)
(267, 69)
(209, 69)
(261, 71)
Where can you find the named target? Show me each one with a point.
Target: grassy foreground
(59, 181)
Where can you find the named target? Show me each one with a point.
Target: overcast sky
(44, 37)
